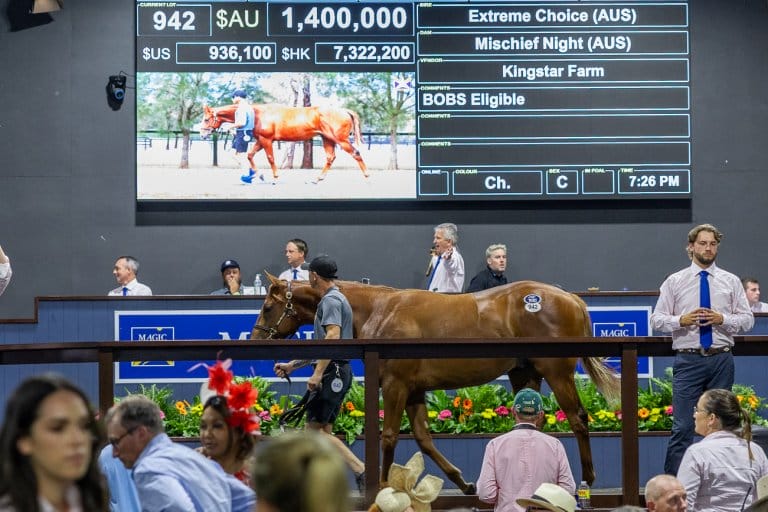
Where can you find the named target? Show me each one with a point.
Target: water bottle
(258, 289)
(584, 495)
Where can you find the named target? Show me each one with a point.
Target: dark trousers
(692, 375)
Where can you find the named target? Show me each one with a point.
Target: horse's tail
(605, 378)
(356, 127)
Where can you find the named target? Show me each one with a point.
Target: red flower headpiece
(241, 398)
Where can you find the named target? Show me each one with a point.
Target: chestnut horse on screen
(383, 312)
(279, 122)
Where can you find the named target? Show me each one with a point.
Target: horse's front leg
(270, 152)
(417, 413)
(394, 405)
(330, 155)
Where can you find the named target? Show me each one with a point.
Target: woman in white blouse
(720, 472)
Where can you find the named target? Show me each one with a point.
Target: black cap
(229, 264)
(324, 266)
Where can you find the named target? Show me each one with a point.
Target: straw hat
(551, 497)
(761, 503)
(404, 493)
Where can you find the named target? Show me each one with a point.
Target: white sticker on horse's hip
(532, 302)
(337, 385)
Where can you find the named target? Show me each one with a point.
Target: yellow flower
(258, 407)
(275, 410)
(356, 413)
(432, 414)
(753, 401)
(457, 401)
(740, 398)
(197, 409)
(643, 413)
(551, 420)
(655, 411)
(488, 414)
(181, 408)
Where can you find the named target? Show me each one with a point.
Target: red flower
(244, 420)
(242, 396)
(669, 410)
(560, 416)
(219, 378)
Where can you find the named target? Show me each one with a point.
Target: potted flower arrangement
(477, 410)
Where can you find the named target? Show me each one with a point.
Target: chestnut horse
(501, 312)
(279, 122)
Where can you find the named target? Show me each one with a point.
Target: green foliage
(480, 409)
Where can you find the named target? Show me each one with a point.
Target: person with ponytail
(300, 472)
(720, 472)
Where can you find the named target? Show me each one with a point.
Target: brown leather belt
(706, 352)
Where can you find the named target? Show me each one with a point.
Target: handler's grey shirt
(333, 309)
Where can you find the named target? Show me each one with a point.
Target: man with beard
(703, 306)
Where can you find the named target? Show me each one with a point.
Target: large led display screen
(399, 101)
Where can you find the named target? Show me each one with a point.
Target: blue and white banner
(234, 324)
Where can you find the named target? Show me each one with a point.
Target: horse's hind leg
(417, 413)
(270, 152)
(559, 375)
(352, 150)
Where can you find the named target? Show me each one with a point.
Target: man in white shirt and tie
(296, 252)
(125, 271)
(703, 306)
(446, 270)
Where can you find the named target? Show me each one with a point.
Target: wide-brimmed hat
(551, 497)
(404, 491)
(761, 503)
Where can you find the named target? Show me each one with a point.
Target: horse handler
(331, 378)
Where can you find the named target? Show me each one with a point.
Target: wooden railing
(372, 352)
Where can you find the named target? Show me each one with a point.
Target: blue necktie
(125, 291)
(705, 332)
(295, 274)
(432, 275)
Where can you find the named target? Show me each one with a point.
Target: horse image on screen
(316, 136)
(278, 122)
(501, 312)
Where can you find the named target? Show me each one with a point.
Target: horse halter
(287, 311)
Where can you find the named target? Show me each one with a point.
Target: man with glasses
(703, 306)
(168, 476)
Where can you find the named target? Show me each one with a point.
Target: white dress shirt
(449, 275)
(301, 274)
(759, 307)
(718, 475)
(5, 275)
(679, 295)
(135, 289)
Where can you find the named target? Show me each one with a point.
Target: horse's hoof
(471, 489)
(261, 177)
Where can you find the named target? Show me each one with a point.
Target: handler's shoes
(246, 179)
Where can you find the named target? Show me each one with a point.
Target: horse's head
(287, 306)
(211, 122)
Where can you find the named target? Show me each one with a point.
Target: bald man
(665, 493)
